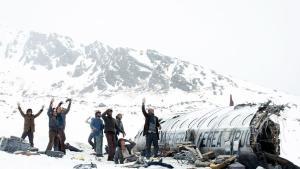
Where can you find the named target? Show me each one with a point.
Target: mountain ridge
(119, 67)
(80, 70)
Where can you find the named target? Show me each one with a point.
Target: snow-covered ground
(77, 132)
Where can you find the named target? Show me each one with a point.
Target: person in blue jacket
(97, 127)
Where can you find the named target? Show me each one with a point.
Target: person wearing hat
(151, 127)
(29, 126)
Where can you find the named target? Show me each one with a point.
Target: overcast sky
(253, 40)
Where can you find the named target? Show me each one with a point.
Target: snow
(69, 161)
(33, 88)
(141, 57)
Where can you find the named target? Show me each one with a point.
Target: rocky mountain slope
(93, 69)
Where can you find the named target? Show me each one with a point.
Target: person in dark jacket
(29, 126)
(110, 131)
(120, 128)
(55, 121)
(150, 130)
(59, 143)
(97, 127)
(64, 111)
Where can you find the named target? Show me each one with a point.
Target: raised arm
(104, 115)
(59, 105)
(50, 107)
(20, 110)
(40, 112)
(69, 106)
(88, 120)
(143, 108)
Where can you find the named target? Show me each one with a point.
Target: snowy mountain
(39, 65)
(108, 68)
(101, 68)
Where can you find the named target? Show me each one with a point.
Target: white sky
(254, 40)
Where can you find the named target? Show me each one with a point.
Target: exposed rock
(101, 105)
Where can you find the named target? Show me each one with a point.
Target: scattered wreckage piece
(236, 165)
(14, 144)
(17, 145)
(168, 153)
(27, 153)
(284, 164)
(50, 153)
(190, 152)
(184, 157)
(155, 163)
(141, 162)
(223, 164)
(190, 155)
(85, 166)
(199, 163)
(245, 130)
(209, 155)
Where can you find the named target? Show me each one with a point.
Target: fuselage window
(234, 119)
(183, 123)
(174, 124)
(191, 123)
(247, 118)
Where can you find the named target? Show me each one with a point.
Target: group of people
(57, 125)
(112, 128)
(100, 124)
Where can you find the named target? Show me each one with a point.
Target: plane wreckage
(245, 130)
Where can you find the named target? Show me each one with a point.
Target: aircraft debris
(245, 132)
(85, 166)
(14, 144)
(236, 165)
(223, 164)
(141, 162)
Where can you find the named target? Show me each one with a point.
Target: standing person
(110, 132)
(91, 139)
(54, 122)
(97, 130)
(62, 113)
(120, 128)
(150, 130)
(29, 126)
